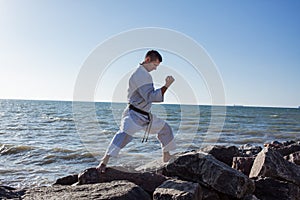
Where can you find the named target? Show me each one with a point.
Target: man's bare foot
(166, 156)
(101, 168)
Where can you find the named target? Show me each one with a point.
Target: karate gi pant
(133, 122)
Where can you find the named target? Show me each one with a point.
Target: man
(137, 116)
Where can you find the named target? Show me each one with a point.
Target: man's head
(152, 60)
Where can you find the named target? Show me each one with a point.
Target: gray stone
(249, 150)
(155, 166)
(270, 163)
(208, 171)
(276, 143)
(243, 164)
(89, 176)
(250, 197)
(178, 189)
(147, 180)
(7, 192)
(294, 158)
(222, 153)
(286, 143)
(115, 190)
(67, 180)
(272, 189)
(208, 194)
(287, 150)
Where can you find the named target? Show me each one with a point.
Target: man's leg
(119, 141)
(165, 136)
(130, 124)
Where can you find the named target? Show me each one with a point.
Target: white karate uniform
(141, 94)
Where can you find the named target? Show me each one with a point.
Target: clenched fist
(169, 81)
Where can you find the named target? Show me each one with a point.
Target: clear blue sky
(255, 44)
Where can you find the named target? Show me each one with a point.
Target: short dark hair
(153, 55)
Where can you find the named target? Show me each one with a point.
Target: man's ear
(147, 59)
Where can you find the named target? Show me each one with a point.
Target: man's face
(152, 65)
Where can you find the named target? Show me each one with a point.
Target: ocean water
(41, 141)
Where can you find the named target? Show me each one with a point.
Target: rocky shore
(247, 172)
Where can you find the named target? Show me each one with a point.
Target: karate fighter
(137, 115)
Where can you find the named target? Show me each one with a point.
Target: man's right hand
(169, 81)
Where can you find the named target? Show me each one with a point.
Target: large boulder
(178, 190)
(250, 197)
(209, 194)
(208, 171)
(89, 176)
(67, 180)
(7, 192)
(222, 153)
(270, 163)
(289, 142)
(243, 164)
(155, 166)
(272, 189)
(294, 158)
(287, 150)
(146, 180)
(249, 150)
(115, 190)
(274, 144)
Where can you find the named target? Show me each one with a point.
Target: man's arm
(169, 81)
(163, 90)
(149, 94)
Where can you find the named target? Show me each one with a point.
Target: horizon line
(185, 104)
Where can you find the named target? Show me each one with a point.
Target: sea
(41, 141)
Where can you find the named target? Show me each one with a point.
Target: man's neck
(145, 67)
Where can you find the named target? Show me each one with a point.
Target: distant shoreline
(229, 105)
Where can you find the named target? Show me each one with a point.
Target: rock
(208, 194)
(276, 143)
(269, 163)
(147, 180)
(222, 153)
(294, 158)
(286, 143)
(287, 150)
(67, 180)
(7, 192)
(243, 164)
(272, 189)
(208, 171)
(89, 176)
(248, 150)
(250, 197)
(178, 189)
(115, 190)
(155, 166)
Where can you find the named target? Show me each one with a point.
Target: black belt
(139, 110)
(147, 131)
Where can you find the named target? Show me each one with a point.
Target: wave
(61, 150)
(11, 149)
(75, 157)
(17, 128)
(50, 119)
